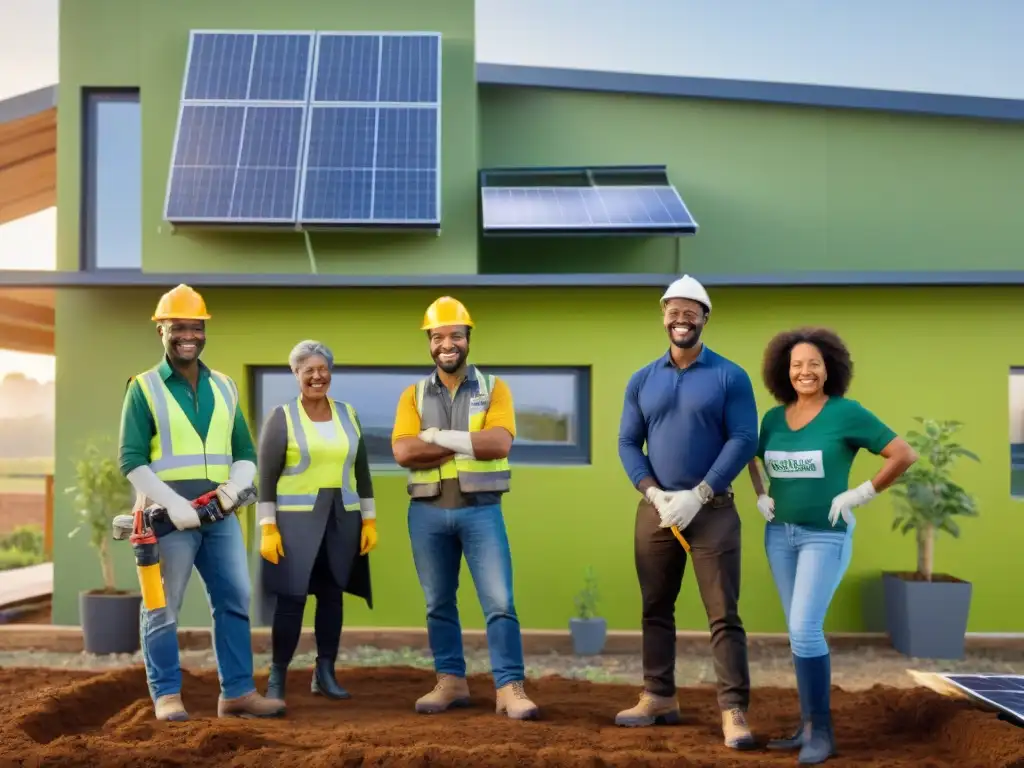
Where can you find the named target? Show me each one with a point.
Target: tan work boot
(512, 700)
(251, 704)
(450, 691)
(650, 710)
(170, 708)
(736, 731)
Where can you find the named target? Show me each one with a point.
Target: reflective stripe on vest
(469, 407)
(312, 462)
(177, 452)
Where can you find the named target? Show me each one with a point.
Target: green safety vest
(177, 452)
(467, 414)
(312, 462)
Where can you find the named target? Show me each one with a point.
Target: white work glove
(182, 514)
(766, 506)
(682, 507)
(843, 503)
(227, 495)
(427, 435)
(658, 498)
(241, 476)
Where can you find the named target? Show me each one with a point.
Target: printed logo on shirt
(784, 464)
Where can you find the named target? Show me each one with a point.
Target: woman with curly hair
(807, 445)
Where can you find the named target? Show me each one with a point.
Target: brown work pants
(714, 539)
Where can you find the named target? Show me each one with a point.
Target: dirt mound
(59, 717)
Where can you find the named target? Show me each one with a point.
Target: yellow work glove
(368, 536)
(271, 547)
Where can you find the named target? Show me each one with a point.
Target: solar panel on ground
(649, 208)
(1005, 692)
(327, 129)
(373, 155)
(237, 148)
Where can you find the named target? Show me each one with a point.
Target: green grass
(9, 468)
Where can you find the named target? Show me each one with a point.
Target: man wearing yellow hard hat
(453, 432)
(183, 436)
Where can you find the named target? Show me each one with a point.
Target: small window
(552, 407)
(111, 226)
(1017, 432)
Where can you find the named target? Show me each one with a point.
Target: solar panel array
(317, 129)
(1005, 692)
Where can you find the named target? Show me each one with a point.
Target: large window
(1017, 432)
(552, 407)
(111, 234)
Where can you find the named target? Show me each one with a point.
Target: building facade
(897, 228)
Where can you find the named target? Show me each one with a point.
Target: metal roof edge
(28, 104)
(832, 96)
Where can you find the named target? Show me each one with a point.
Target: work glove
(766, 506)
(182, 514)
(227, 495)
(680, 510)
(658, 498)
(271, 547)
(368, 537)
(843, 503)
(427, 435)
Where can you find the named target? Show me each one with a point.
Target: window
(1017, 432)
(111, 234)
(552, 407)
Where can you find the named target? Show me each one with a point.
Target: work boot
(250, 705)
(325, 683)
(736, 731)
(512, 700)
(170, 708)
(814, 675)
(276, 682)
(450, 691)
(819, 741)
(650, 710)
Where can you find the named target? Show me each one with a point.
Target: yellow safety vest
(312, 463)
(177, 452)
(467, 414)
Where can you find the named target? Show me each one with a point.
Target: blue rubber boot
(797, 739)
(819, 743)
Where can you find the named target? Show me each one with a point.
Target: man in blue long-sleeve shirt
(695, 410)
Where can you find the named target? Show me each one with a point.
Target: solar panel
(1005, 692)
(647, 208)
(238, 144)
(327, 129)
(373, 152)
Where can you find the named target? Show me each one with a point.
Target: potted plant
(587, 629)
(109, 616)
(926, 612)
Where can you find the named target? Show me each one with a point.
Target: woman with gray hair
(317, 517)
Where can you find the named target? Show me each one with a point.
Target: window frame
(578, 453)
(92, 97)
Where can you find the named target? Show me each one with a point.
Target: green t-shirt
(808, 467)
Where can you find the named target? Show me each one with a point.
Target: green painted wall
(773, 187)
(936, 352)
(100, 46)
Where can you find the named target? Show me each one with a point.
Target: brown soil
(60, 717)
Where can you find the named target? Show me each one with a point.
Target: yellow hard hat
(446, 311)
(181, 303)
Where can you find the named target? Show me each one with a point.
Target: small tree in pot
(926, 613)
(588, 630)
(109, 616)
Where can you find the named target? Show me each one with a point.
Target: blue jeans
(218, 553)
(807, 565)
(439, 539)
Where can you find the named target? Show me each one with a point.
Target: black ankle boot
(276, 681)
(324, 682)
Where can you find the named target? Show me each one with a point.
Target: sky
(28, 60)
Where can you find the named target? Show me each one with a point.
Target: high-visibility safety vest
(465, 412)
(177, 452)
(313, 462)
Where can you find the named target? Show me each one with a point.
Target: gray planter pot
(110, 623)
(588, 636)
(926, 619)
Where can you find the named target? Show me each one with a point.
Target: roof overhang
(28, 154)
(27, 320)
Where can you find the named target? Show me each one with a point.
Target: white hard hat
(687, 287)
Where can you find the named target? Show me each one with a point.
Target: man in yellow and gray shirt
(182, 436)
(453, 432)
